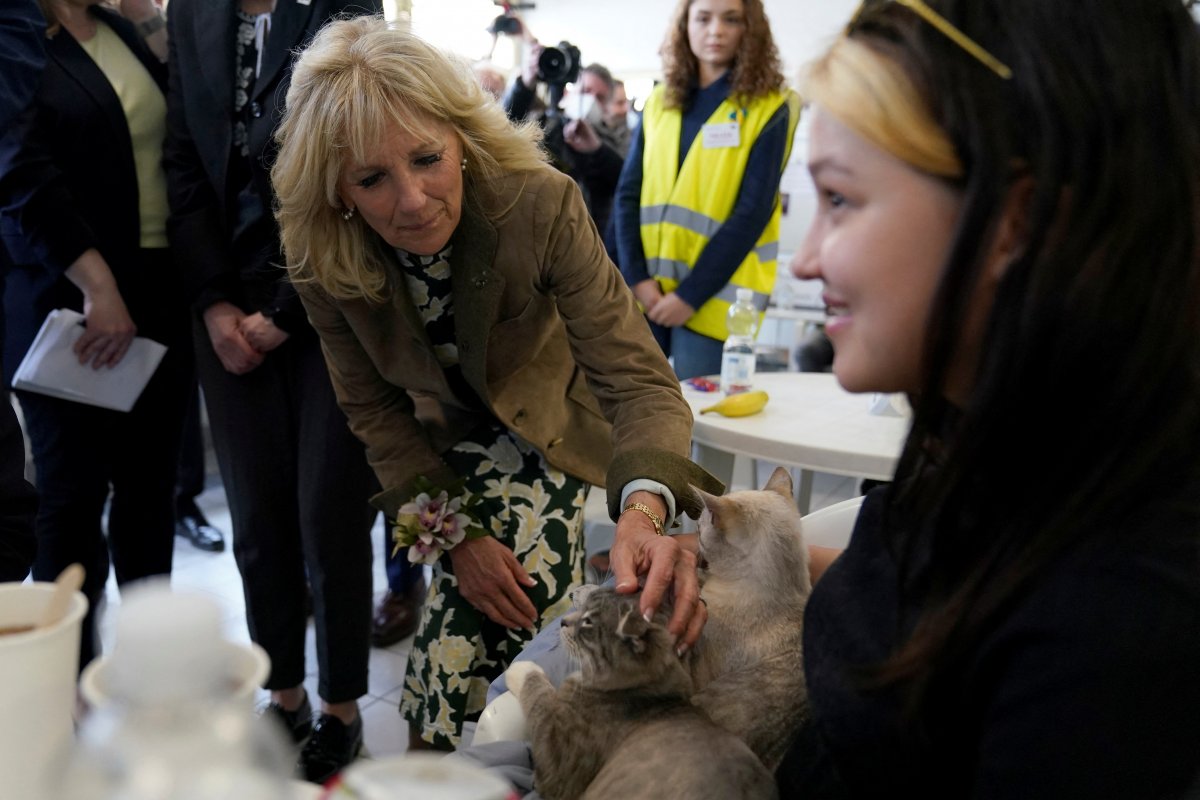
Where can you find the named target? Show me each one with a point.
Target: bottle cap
(745, 295)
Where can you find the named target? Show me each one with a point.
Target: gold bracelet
(649, 512)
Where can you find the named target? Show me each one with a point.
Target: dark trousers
(298, 483)
(190, 481)
(82, 453)
(692, 354)
(402, 574)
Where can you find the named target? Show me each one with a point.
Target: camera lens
(559, 65)
(552, 65)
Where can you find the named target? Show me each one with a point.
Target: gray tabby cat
(624, 727)
(747, 667)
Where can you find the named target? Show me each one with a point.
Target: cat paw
(517, 674)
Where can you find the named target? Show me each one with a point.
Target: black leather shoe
(332, 746)
(397, 615)
(296, 725)
(202, 535)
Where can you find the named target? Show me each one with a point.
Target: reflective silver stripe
(693, 221)
(767, 252)
(667, 268)
(698, 223)
(729, 295)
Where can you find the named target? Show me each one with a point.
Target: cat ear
(579, 594)
(780, 483)
(709, 501)
(633, 629)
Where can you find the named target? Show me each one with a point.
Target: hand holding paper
(52, 366)
(108, 333)
(110, 329)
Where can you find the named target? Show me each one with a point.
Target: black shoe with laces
(197, 530)
(296, 725)
(332, 746)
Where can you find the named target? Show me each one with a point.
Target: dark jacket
(200, 141)
(549, 339)
(22, 56)
(67, 184)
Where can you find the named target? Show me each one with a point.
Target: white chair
(831, 526)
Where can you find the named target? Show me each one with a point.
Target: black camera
(506, 24)
(558, 66)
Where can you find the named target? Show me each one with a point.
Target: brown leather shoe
(397, 615)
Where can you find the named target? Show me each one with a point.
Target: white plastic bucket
(248, 668)
(418, 775)
(37, 686)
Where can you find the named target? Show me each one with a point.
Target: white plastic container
(423, 776)
(246, 667)
(37, 687)
(173, 727)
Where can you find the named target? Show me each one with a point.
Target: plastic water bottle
(737, 357)
(173, 730)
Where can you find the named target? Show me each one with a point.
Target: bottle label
(737, 372)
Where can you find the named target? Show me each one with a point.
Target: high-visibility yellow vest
(681, 210)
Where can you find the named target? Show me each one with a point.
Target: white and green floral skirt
(530, 507)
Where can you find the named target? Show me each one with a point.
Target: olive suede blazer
(548, 337)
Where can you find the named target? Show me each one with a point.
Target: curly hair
(756, 71)
(355, 78)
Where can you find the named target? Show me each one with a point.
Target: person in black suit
(22, 56)
(297, 480)
(85, 225)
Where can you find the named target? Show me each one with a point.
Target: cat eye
(586, 621)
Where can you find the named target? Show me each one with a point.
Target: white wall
(625, 35)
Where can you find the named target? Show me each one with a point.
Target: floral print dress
(526, 504)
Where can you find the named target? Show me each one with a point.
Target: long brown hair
(756, 66)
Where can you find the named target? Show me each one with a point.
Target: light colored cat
(624, 727)
(747, 667)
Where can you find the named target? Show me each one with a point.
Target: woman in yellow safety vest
(698, 200)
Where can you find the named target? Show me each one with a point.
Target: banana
(739, 405)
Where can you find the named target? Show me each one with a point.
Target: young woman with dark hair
(1007, 230)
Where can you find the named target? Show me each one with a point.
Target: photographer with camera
(581, 143)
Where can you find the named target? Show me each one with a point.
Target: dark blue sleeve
(35, 198)
(627, 214)
(730, 245)
(518, 100)
(22, 56)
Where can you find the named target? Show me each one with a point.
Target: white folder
(51, 366)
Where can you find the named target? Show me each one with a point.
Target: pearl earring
(348, 214)
(464, 165)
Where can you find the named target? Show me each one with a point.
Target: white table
(810, 423)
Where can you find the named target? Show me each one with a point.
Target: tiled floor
(384, 731)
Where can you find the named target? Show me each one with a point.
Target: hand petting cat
(639, 550)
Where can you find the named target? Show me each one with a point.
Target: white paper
(721, 134)
(578, 105)
(51, 366)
